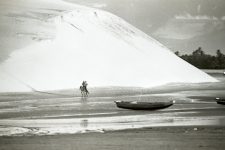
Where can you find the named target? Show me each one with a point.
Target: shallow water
(27, 114)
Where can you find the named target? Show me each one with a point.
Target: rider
(84, 84)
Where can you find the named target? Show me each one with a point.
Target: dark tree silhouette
(202, 60)
(220, 58)
(177, 53)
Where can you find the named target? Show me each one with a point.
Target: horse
(84, 91)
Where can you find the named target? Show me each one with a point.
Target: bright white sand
(93, 45)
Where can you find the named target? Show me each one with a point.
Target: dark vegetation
(201, 60)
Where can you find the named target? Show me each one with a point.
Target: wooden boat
(143, 105)
(220, 101)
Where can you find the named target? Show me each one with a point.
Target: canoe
(220, 101)
(143, 105)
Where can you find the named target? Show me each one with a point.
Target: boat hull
(143, 105)
(220, 101)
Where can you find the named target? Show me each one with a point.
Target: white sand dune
(99, 47)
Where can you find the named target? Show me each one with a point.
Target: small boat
(220, 101)
(143, 105)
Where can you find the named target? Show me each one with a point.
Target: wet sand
(164, 138)
(53, 116)
(65, 121)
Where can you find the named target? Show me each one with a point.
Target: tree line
(201, 60)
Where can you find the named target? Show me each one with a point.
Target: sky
(181, 25)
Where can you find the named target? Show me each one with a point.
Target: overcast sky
(181, 25)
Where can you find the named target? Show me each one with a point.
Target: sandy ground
(63, 120)
(166, 138)
(26, 22)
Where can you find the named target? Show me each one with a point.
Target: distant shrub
(199, 59)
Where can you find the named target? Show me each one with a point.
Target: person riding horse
(83, 89)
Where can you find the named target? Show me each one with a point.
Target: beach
(164, 138)
(64, 120)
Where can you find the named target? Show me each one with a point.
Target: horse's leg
(86, 94)
(81, 92)
(86, 91)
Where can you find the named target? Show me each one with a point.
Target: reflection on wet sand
(84, 123)
(83, 99)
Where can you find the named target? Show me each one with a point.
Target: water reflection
(84, 123)
(83, 99)
(221, 121)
